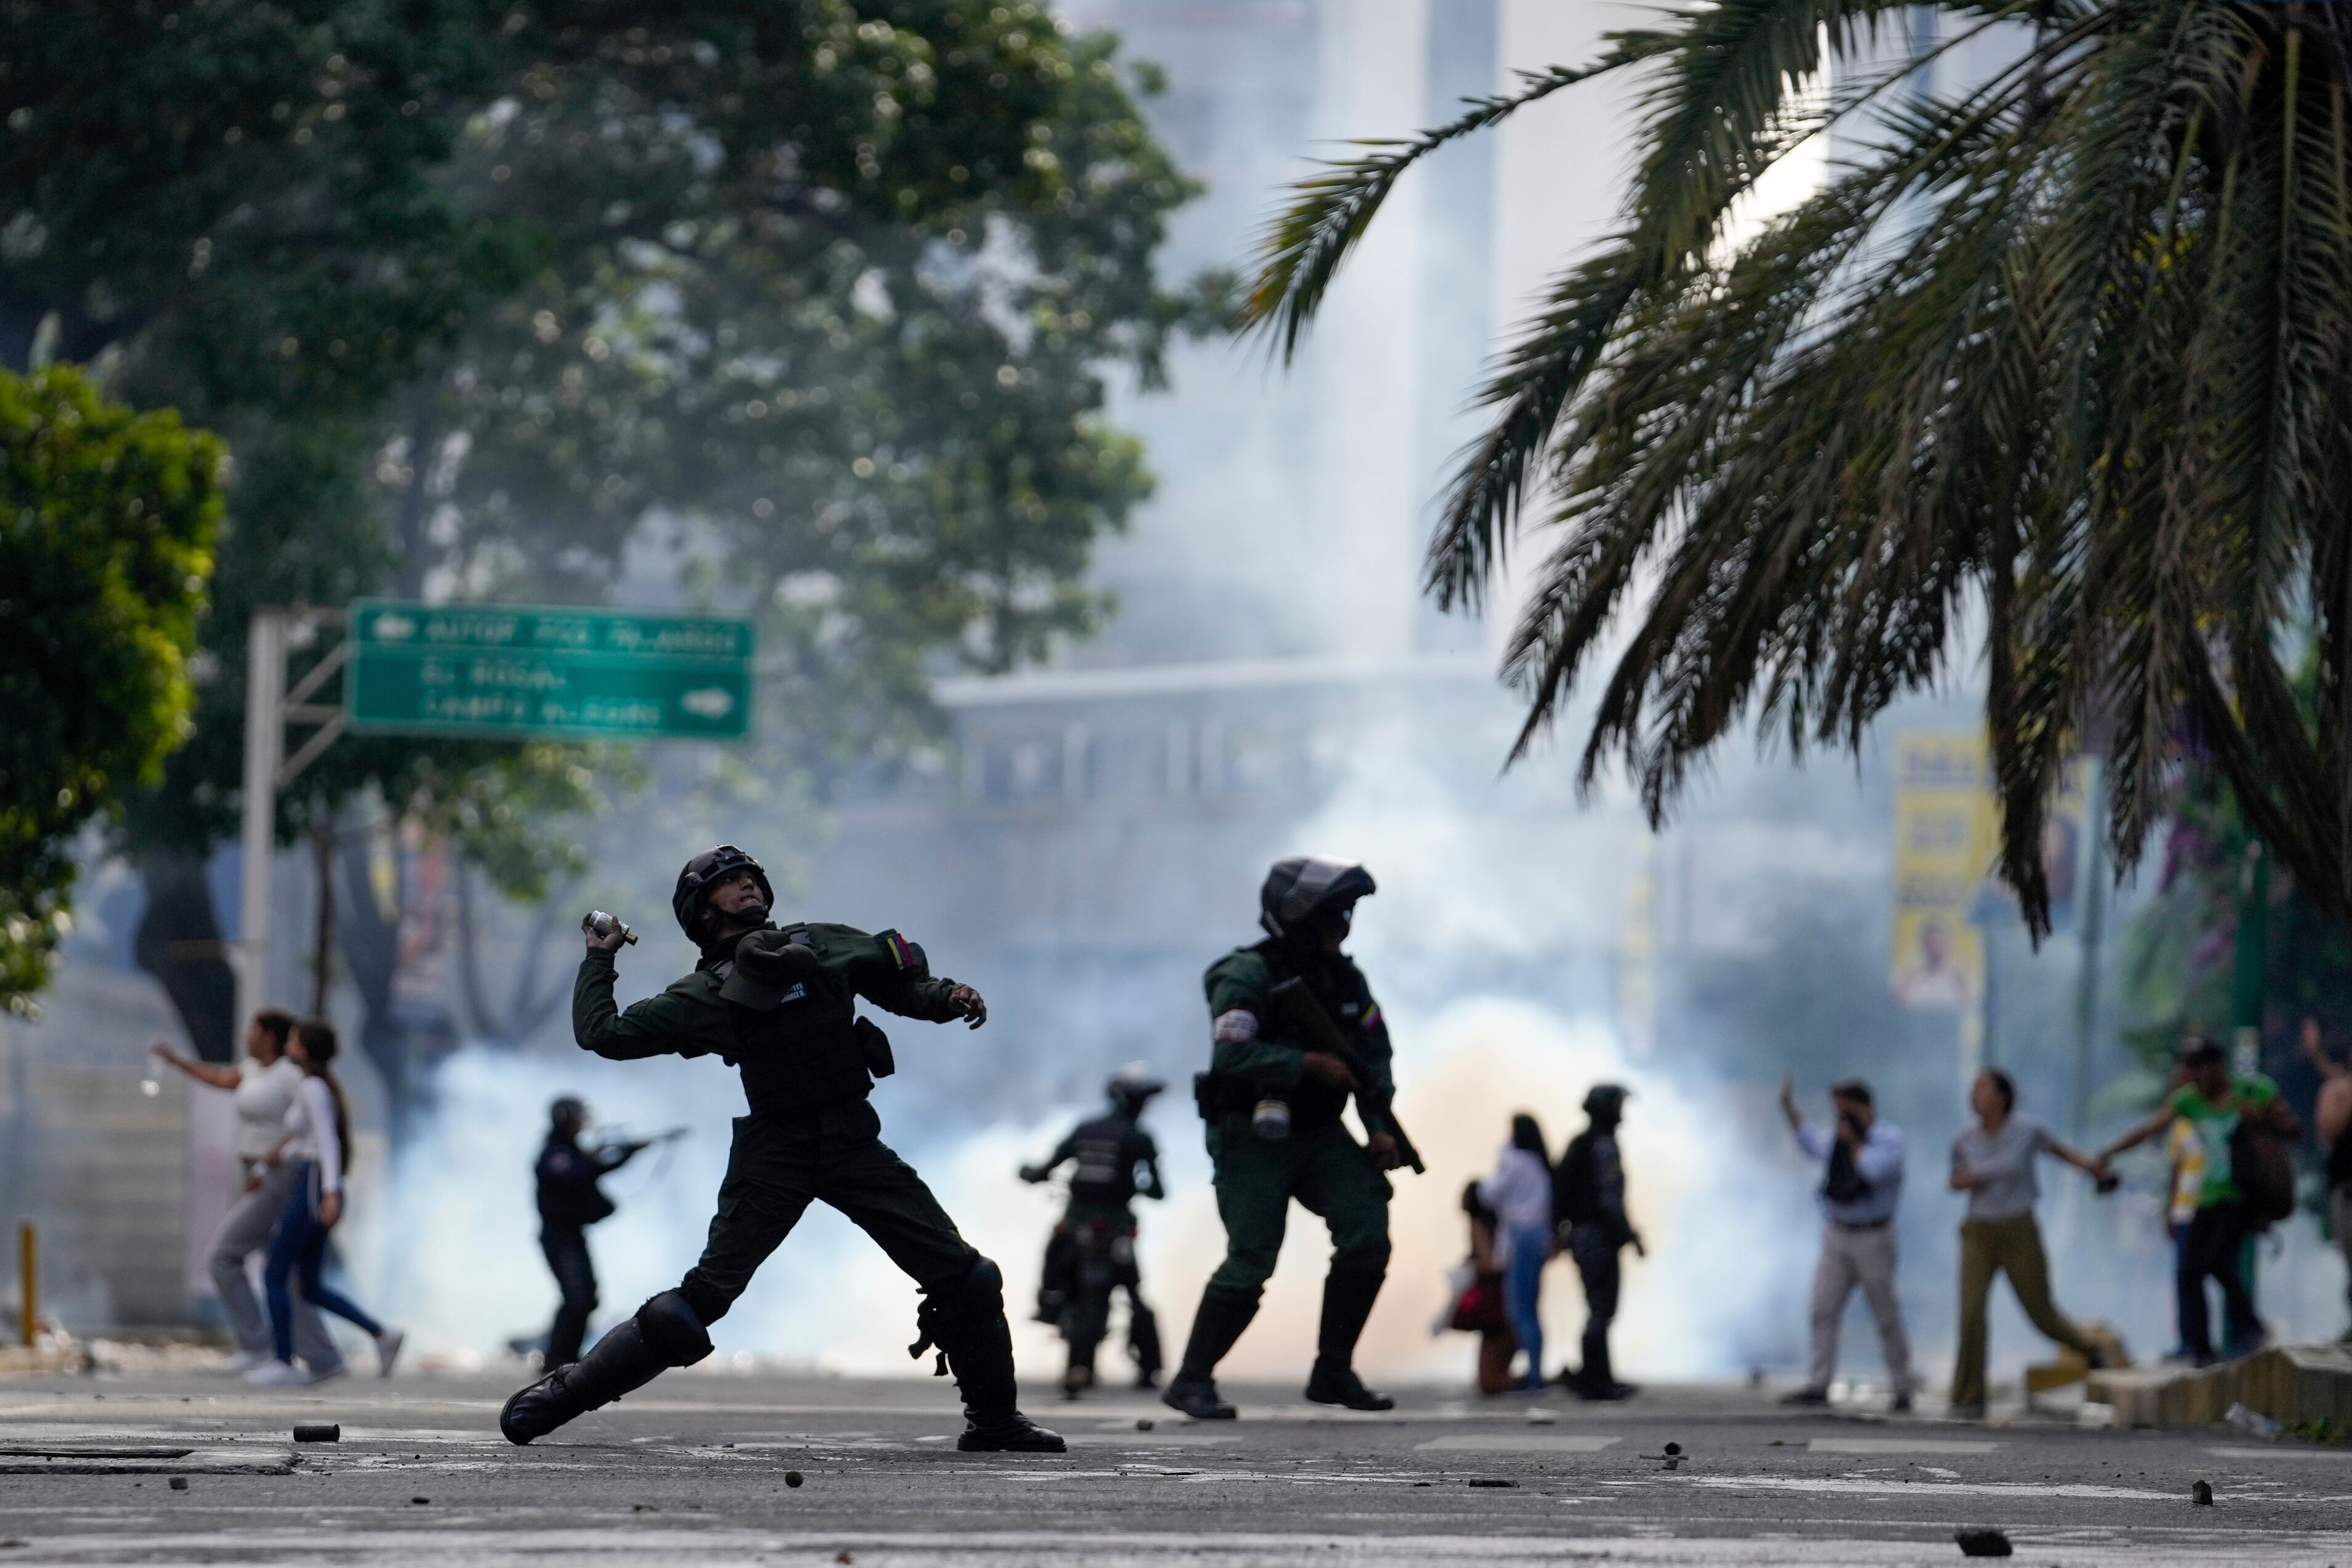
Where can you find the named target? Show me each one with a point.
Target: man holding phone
(1862, 1183)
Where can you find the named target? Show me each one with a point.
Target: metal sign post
(269, 708)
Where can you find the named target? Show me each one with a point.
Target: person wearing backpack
(2332, 1120)
(2244, 1128)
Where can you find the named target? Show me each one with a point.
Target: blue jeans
(296, 1253)
(1522, 1286)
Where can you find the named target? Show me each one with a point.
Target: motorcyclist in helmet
(1091, 1254)
(1273, 1107)
(780, 1006)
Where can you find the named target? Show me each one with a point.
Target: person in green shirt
(780, 1006)
(2213, 1100)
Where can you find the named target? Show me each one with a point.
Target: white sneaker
(244, 1361)
(274, 1373)
(388, 1350)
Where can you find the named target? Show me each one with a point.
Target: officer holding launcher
(1295, 1031)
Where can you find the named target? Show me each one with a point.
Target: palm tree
(2058, 361)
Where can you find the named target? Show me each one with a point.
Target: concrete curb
(2293, 1385)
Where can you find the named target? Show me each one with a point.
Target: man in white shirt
(1862, 1183)
(264, 1083)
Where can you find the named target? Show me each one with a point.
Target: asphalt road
(695, 1468)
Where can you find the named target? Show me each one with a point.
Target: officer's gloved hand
(608, 940)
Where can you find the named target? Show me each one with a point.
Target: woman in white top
(1519, 1192)
(262, 1086)
(318, 1130)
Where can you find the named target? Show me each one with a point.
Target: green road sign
(522, 670)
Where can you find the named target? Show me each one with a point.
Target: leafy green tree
(885, 436)
(107, 522)
(2064, 348)
(485, 296)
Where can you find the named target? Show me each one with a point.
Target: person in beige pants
(1862, 1183)
(1993, 1162)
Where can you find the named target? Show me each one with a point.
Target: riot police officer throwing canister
(1295, 1032)
(1092, 1252)
(570, 1201)
(780, 1006)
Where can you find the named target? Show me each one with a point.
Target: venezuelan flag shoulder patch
(901, 951)
(1372, 1018)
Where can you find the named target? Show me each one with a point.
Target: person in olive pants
(1993, 1162)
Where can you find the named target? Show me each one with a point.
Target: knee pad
(672, 1328)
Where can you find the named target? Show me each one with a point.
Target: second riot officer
(781, 1007)
(1091, 1255)
(1272, 1098)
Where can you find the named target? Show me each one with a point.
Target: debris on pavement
(2201, 1494)
(1982, 1543)
(2252, 1422)
(792, 1477)
(323, 1432)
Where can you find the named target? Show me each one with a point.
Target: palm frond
(2066, 356)
(1304, 244)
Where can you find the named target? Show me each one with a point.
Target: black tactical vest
(1313, 1102)
(809, 1050)
(1104, 1172)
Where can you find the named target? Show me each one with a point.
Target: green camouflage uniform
(1320, 1164)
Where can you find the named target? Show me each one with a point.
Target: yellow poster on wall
(1946, 828)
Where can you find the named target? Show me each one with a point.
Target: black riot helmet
(711, 866)
(567, 1115)
(1303, 889)
(1131, 1088)
(1605, 1103)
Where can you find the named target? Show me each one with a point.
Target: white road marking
(160, 1461)
(1895, 1446)
(1855, 1486)
(630, 1547)
(1516, 1443)
(2337, 1456)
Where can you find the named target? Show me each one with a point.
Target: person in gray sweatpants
(264, 1085)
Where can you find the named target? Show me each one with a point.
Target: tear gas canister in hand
(601, 926)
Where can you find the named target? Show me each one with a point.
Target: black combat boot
(1143, 1344)
(966, 1321)
(1598, 1379)
(1347, 1297)
(624, 1360)
(1215, 1327)
(667, 1331)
